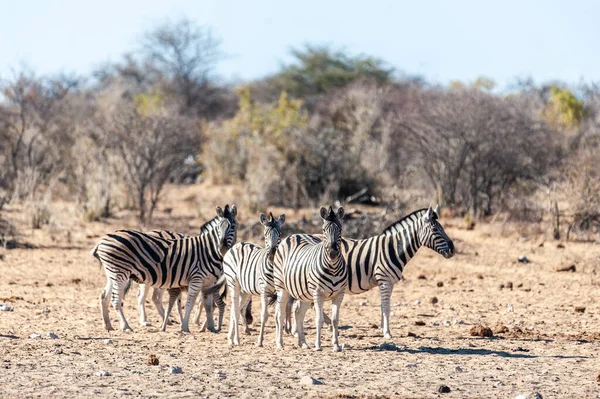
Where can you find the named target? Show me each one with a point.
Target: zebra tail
(272, 299)
(215, 288)
(224, 293)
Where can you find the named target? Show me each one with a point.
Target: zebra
(311, 268)
(248, 270)
(171, 264)
(158, 293)
(380, 260)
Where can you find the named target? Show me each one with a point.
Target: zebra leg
(335, 315)
(385, 289)
(243, 305)
(234, 333)
(174, 293)
(208, 308)
(141, 299)
(264, 316)
(319, 301)
(157, 296)
(294, 310)
(199, 313)
(327, 321)
(104, 303)
(118, 292)
(289, 309)
(221, 306)
(248, 313)
(179, 308)
(280, 317)
(301, 308)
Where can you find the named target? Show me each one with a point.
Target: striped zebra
(158, 293)
(248, 270)
(311, 268)
(163, 263)
(380, 260)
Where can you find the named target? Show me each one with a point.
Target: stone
(419, 323)
(363, 303)
(108, 341)
(35, 336)
(175, 370)
(411, 365)
(458, 369)
(433, 300)
(417, 302)
(220, 375)
(530, 395)
(388, 346)
(102, 373)
(481, 331)
(152, 360)
(51, 335)
(580, 309)
(444, 389)
(523, 259)
(440, 283)
(308, 380)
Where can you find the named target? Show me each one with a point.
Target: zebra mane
(211, 224)
(403, 223)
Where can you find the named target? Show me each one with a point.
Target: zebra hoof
(387, 336)
(337, 348)
(145, 324)
(279, 348)
(318, 349)
(259, 345)
(109, 328)
(304, 345)
(127, 330)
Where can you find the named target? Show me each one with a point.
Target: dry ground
(549, 348)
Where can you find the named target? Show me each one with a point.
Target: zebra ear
(281, 219)
(429, 214)
(323, 213)
(340, 213)
(263, 219)
(234, 210)
(223, 227)
(437, 211)
(220, 212)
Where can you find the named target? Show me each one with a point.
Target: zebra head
(227, 227)
(272, 232)
(332, 230)
(432, 234)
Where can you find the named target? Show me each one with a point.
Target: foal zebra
(171, 264)
(248, 270)
(311, 268)
(158, 293)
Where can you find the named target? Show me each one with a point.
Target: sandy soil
(550, 347)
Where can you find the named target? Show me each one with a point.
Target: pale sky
(439, 40)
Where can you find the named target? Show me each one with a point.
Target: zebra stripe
(248, 270)
(158, 293)
(164, 263)
(311, 268)
(380, 261)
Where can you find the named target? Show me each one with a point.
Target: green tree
(563, 109)
(317, 70)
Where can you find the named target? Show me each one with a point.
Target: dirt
(545, 346)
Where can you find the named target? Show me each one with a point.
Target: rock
(510, 308)
(509, 285)
(308, 380)
(388, 346)
(422, 277)
(580, 309)
(523, 259)
(58, 351)
(346, 346)
(411, 334)
(35, 336)
(440, 283)
(481, 331)
(458, 321)
(108, 341)
(444, 389)
(560, 245)
(175, 370)
(102, 373)
(417, 302)
(6, 308)
(51, 335)
(220, 375)
(447, 323)
(458, 369)
(435, 323)
(45, 310)
(374, 326)
(411, 365)
(570, 268)
(480, 276)
(433, 300)
(531, 395)
(500, 329)
(419, 323)
(152, 360)
(363, 303)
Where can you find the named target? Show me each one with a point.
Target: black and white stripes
(311, 268)
(164, 263)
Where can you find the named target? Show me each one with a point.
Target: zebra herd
(301, 270)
